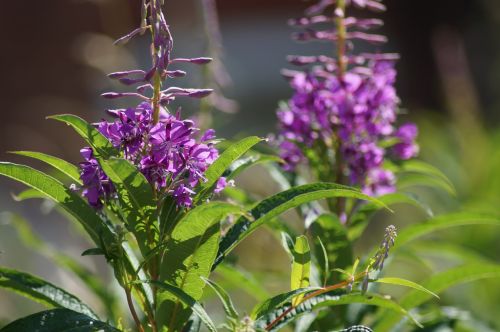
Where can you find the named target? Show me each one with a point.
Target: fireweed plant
(155, 196)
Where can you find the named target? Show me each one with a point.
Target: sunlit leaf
(228, 305)
(42, 291)
(66, 168)
(301, 266)
(60, 320)
(275, 205)
(406, 283)
(187, 300)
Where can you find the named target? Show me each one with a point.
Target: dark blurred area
(55, 56)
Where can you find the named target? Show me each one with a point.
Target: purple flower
(348, 104)
(96, 185)
(406, 148)
(127, 132)
(182, 195)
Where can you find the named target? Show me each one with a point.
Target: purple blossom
(349, 104)
(406, 148)
(164, 147)
(96, 185)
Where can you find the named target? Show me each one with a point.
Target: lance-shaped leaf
(301, 266)
(268, 306)
(100, 144)
(421, 167)
(227, 304)
(60, 320)
(405, 283)
(217, 169)
(443, 222)
(42, 291)
(188, 301)
(66, 198)
(61, 259)
(437, 284)
(275, 205)
(243, 280)
(241, 165)
(361, 218)
(69, 170)
(29, 193)
(285, 314)
(189, 255)
(136, 200)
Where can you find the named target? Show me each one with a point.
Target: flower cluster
(349, 103)
(163, 146)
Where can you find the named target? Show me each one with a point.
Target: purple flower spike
(348, 104)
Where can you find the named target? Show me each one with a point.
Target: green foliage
(101, 146)
(188, 257)
(301, 266)
(228, 305)
(275, 205)
(42, 291)
(437, 284)
(60, 320)
(69, 200)
(217, 169)
(189, 301)
(136, 201)
(68, 169)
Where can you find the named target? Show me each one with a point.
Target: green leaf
(187, 300)
(136, 200)
(42, 291)
(242, 164)
(69, 200)
(66, 262)
(243, 280)
(406, 283)
(408, 180)
(28, 194)
(93, 252)
(301, 266)
(228, 305)
(437, 284)
(68, 169)
(443, 222)
(101, 145)
(418, 166)
(275, 205)
(189, 255)
(361, 218)
(217, 169)
(60, 320)
(266, 307)
(280, 319)
(338, 247)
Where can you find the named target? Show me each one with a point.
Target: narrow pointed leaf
(100, 144)
(268, 306)
(28, 194)
(406, 283)
(437, 284)
(275, 205)
(66, 168)
(301, 266)
(418, 166)
(227, 304)
(42, 291)
(60, 320)
(189, 255)
(241, 165)
(443, 222)
(66, 198)
(187, 300)
(136, 198)
(217, 169)
(243, 280)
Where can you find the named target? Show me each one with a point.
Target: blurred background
(55, 55)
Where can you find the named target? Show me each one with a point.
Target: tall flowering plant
(154, 195)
